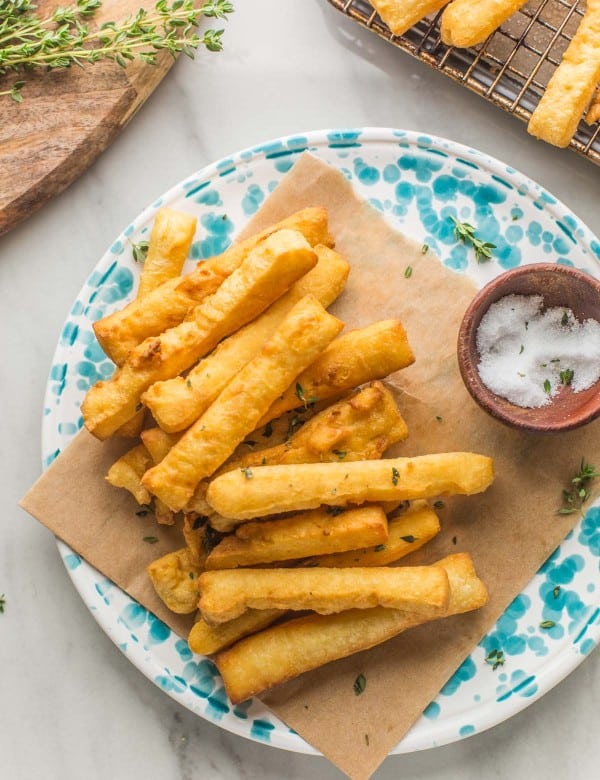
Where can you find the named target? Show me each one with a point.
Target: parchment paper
(509, 530)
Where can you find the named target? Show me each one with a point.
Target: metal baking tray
(510, 69)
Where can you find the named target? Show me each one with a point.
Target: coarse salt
(528, 353)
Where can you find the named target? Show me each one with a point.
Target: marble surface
(71, 704)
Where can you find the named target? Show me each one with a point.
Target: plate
(417, 181)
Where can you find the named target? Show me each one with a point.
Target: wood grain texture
(66, 120)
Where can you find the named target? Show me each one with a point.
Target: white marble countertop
(72, 706)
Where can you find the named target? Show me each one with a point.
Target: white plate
(417, 182)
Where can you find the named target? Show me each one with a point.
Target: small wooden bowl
(560, 286)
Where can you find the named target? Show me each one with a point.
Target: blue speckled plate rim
(550, 673)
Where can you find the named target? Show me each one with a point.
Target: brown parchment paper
(509, 530)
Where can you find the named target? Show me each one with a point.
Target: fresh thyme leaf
(566, 376)
(409, 538)
(556, 591)
(424, 249)
(300, 393)
(59, 39)
(495, 658)
(564, 319)
(439, 504)
(359, 684)
(379, 548)
(439, 418)
(547, 624)
(140, 251)
(139, 407)
(295, 422)
(188, 383)
(341, 454)
(466, 233)
(2, 603)
(247, 472)
(191, 575)
(408, 272)
(547, 386)
(150, 539)
(395, 475)
(521, 350)
(576, 496)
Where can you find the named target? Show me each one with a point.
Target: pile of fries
(265, 444)
(572, 89)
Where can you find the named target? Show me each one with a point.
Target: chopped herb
(564, 319)
(359, 684)
(439, 504)
(544, 365)
(150, 539)
(2, 602)
(566, 376)
(188, 382)
(268, 431)
(521, 350)
(555, 360)
(140, 251)
(408, 272)
(454, 540)
(515, 217)
(263, 461)
(555, 591)
(395, 475)
(439, 418)
(143, 510)
(340, 453)
(409, 538)
(520, 374)
(139, 407)
(367, 740)
(466, 233)
(199, 522)
(547, 386)
(526, 325)
(575, 497)
(547, 624)
(334, 511)
(379, 548)
(495, 658)
(424, 249)
(191, 575)
(247, 472)
(300, 393)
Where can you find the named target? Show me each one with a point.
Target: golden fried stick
(469, 22)
(285, 651)
(572, 85)
(168, 305)
(170, 241)
(303, 334)
(278, 489)
(228, 593)
(406, 533)
(177, 403)
(175, 579)
(357, 357)
(400, 15)
(127, 472)
(206, 639)
(308, 533)
(263, 277)
(359, 427)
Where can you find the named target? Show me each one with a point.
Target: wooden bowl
(560, 286)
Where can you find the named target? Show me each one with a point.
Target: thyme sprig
(2, 602)
(578, 493)
(64, 38)
(466, 233)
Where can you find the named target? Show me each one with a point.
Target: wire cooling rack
(510, 69)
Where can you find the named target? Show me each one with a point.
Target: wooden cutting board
(66, 120)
